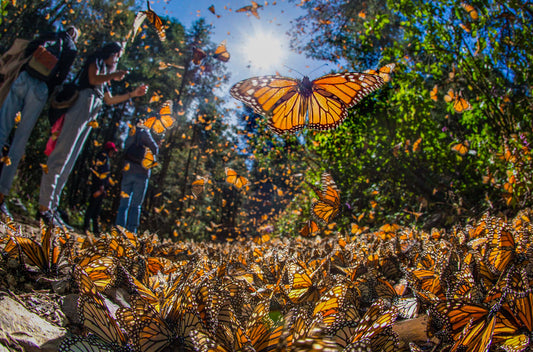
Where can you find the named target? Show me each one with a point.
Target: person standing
(135, 179)
(99, 183)
(28, 94)
(99, 69)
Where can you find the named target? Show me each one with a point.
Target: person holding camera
(98, 70)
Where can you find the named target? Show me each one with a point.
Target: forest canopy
(446, 140)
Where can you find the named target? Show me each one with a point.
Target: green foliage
(393, 158)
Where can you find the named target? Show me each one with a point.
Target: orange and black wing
(164, 120)
(276, 97)
(334, 94)
(221, 53)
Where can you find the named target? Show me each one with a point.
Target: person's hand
(119, 75)
(140, 91)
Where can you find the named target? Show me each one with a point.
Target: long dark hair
(104, 52)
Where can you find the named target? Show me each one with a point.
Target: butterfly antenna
(148, 5)
(324, 64)
(292, 69)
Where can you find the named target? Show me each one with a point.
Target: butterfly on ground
(198, 186)
(321, 104)
(460, 104)
(164, 120)
(233, 178)
(329, 203)
(153, 18)
(221, 53)
(251, 8)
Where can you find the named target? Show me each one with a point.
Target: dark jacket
(144, 137)
(66, 59)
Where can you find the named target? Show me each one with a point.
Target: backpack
(44, 60)
(10, 64)
(135, 152)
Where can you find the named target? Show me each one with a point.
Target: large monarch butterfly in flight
(321, 104)
(153, 18)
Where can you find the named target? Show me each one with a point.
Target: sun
(264, 50)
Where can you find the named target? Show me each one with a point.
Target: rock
(26, 330)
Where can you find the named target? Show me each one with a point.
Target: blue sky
(241, 28)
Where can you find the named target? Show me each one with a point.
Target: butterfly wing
(335, 93)
(221, 53)
(384, 72)
(276, 97)
(139, 19)
(198, 55)
(149, 160)
(161, 123)
(198, 186)
(156, 21)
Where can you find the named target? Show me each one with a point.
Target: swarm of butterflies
(338, 293)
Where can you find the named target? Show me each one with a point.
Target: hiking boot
(48, 218)
(5, 211)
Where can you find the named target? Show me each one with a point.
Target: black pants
(93, 213)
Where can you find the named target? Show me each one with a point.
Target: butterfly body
(322, 104)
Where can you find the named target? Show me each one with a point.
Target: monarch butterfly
(212, 10)
(375, 320)
(233, 178)
(384, 72)
(520, 289)
(164, 121)
(44, 255)
(461, 148)
(153, 18)
(472, 326)
(471, 10)
(198, 55)
(95, 317)
(301, 286)
(460, 104)
(6, 160)
(433, 93)
(291, 104)
(221, 53)
(328, 205)
(198, 186)
(148, 161)
(330, 303)
(251, 8)
(310, 229)
(101, 176)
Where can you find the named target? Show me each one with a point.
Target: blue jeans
(27, 95)
(129, 210)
